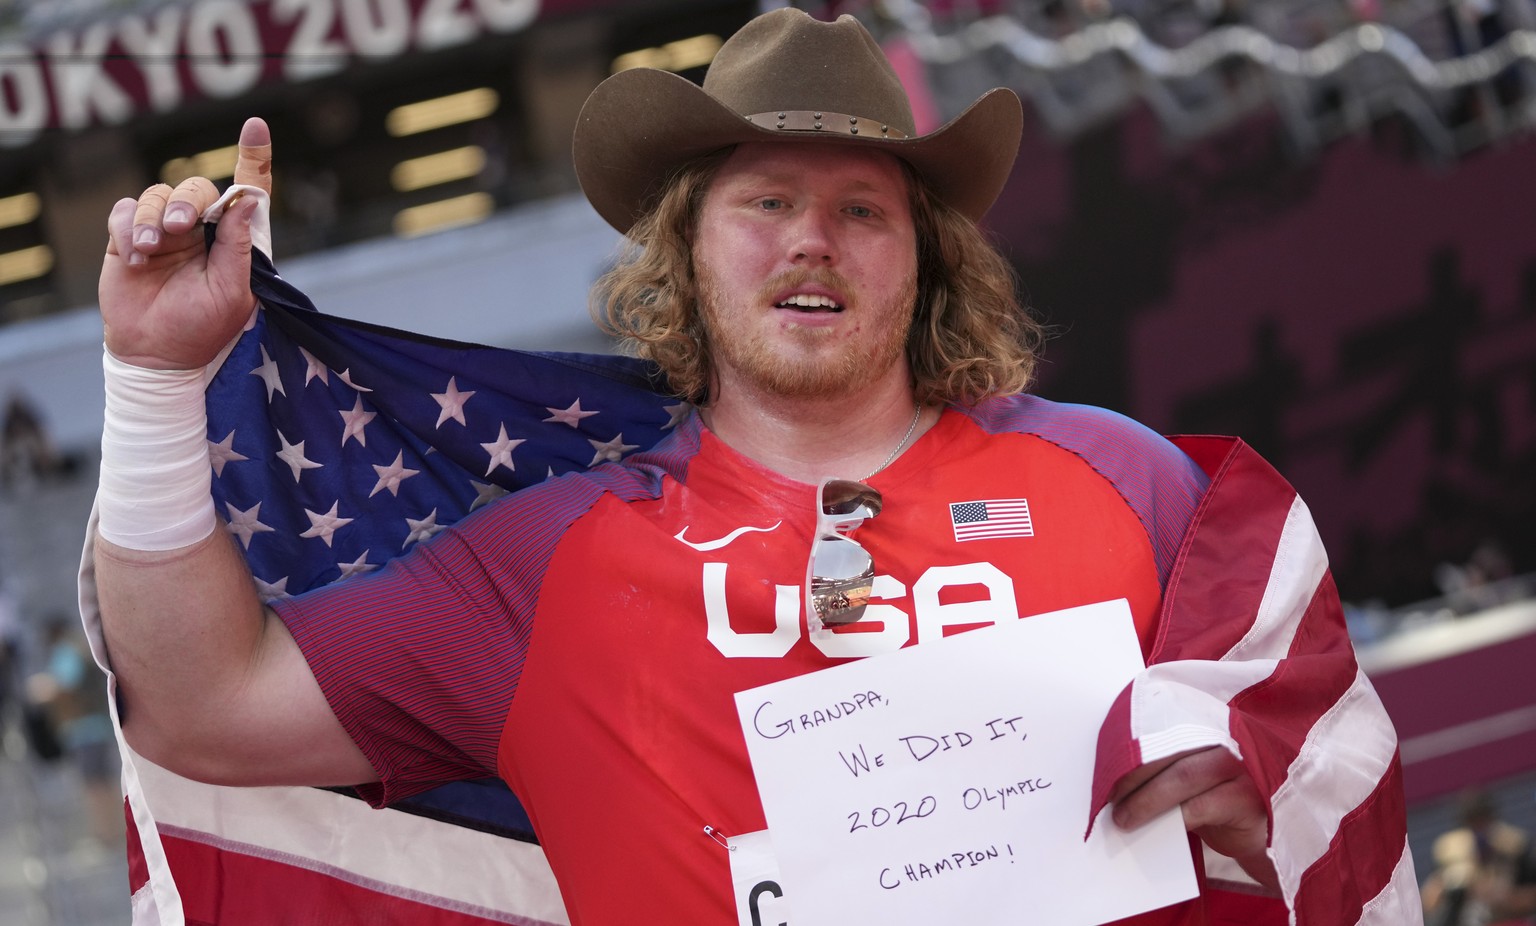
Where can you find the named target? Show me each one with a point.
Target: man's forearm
(179, 609)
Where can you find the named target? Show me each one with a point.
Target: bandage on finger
(253, 166)
(198, 193)
(151, 207)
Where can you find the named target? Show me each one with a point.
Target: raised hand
(167, 301)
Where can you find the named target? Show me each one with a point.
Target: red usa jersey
(583, 639)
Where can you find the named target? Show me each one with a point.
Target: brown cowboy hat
(784, 76)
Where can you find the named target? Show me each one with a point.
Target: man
(1485, 869)
(809, 274)
(24, 444)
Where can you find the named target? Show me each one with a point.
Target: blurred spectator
(10, 653)
(1485, 872)
(1474, 25)
(495, 176)
(1481, 583)
(72, 692)
(1368, 621)
(25, 445)
(311, 199)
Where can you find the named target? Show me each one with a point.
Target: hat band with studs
(804, 120)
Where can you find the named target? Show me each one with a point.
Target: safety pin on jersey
(719, 837)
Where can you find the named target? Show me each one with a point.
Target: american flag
(991, 519)
(335, 446)
(1253, 656)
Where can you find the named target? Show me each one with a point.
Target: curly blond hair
(970, 338)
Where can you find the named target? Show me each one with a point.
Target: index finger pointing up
(254, 164)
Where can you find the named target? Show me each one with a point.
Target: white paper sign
(949, 782)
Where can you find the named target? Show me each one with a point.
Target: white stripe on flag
(344, 837)
(1300, 563)
(1346, 753)
(1398, 903)
(990, 518)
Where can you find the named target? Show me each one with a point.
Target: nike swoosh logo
(709, 545)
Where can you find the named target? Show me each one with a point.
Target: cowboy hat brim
(642, 124)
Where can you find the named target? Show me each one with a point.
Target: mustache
(801, 276)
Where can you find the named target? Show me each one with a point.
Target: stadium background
(1307, 222)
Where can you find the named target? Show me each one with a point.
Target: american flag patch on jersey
(990, 518)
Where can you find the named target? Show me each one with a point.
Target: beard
(812, 365)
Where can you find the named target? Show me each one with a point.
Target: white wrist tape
(155, 475)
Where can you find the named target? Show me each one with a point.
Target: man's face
(806, 258)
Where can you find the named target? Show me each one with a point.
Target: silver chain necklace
(917, 412)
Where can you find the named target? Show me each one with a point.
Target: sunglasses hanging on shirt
(840, 575)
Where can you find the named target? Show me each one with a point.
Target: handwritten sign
(949, 782)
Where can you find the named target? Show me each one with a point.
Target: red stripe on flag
(1322, 629)
(1280, 711)
(1231, 908)
(1360, 858)
(1118, 754)
(138, 868)
(1207, 611)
